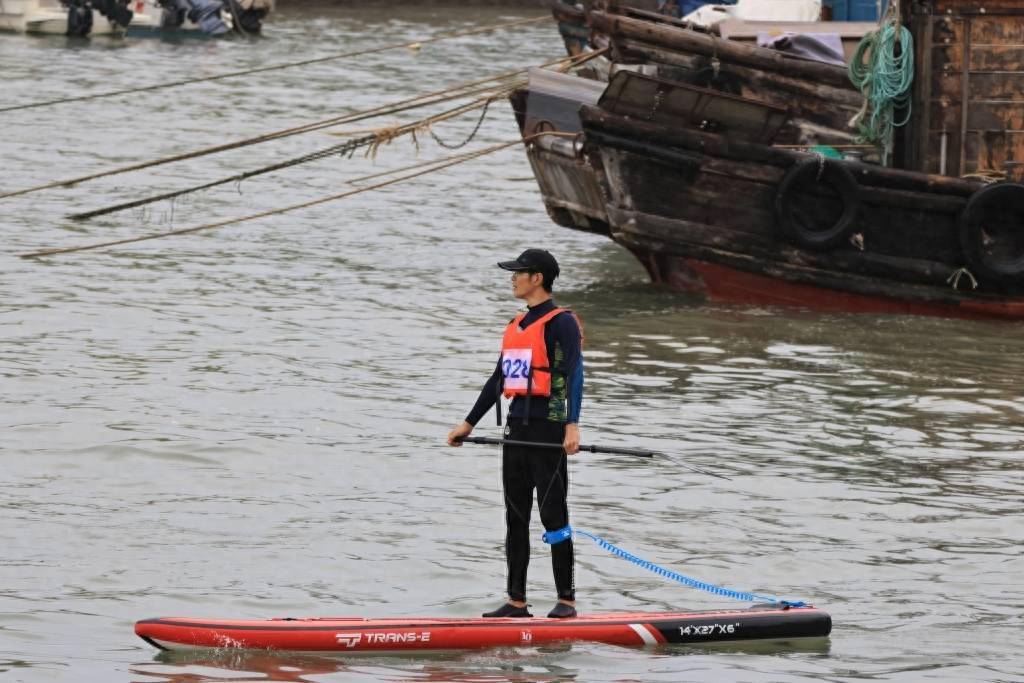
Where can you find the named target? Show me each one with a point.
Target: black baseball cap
(535, 260)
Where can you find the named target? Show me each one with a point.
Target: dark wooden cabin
(968, 98)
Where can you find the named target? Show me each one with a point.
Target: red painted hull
(724, 284)
(351, 635)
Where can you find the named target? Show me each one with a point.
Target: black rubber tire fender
(807, 172)
(972, 234)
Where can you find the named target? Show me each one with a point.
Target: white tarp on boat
(758, 10)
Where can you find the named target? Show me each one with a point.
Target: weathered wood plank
(841, 267)
(675, 38)
(768, 175)
(947, 29)
(651, 186)
(997, 57)
(914, 201)
(965, 92)
(976, 7)
(911, 141)
(933, 150)
(997, 30)
(1007, 86)
(626, 132)
(947, 58)
(844, 95)
(572, 181)
(840, 281)
(945, 114)
(985, 55)
(985, 115)
(976, 83)
(991, 150)
(894, 222)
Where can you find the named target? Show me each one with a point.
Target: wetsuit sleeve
(567, 334)
(575, 391)
(488, 395)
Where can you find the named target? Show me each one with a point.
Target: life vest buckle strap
(500, 390)
(529, 391)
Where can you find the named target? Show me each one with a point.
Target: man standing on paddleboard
(541, 369)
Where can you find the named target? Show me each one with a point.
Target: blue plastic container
(853, 10)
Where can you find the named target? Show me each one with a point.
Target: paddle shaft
(489, 441)
(536, 444)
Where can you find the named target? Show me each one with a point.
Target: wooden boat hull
(722, 283)
(695, 157)
(699, 211)
(568, 182)
(721, 278)
(569, 188)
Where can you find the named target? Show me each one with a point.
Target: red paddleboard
(395, 634)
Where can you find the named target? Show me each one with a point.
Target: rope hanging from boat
(417, 102)
(883, 70)
(276, 67)
(441, 164)
(454, 92)
(424, 100)
(346, 149)
(437, 165)
(373, 141)
(472, 133)
(565, 533)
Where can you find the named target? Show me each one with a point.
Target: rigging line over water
(276, 67)
(422, 100)
(378, 137)
(383, 110)
(442, 164)
(380, 174)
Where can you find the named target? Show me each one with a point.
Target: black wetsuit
(525, 469)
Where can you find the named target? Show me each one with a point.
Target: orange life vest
(525, 368)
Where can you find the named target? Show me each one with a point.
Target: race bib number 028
(515, 366)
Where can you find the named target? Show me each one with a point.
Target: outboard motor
(115, 10)
(172, 15)
(249, 14)
(206, 14)
(79, 18)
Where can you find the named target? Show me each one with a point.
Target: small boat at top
(71, 17)
(134, 18)
(350, 635)
(201, 18)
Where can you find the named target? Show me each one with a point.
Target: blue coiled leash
(565, 533)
